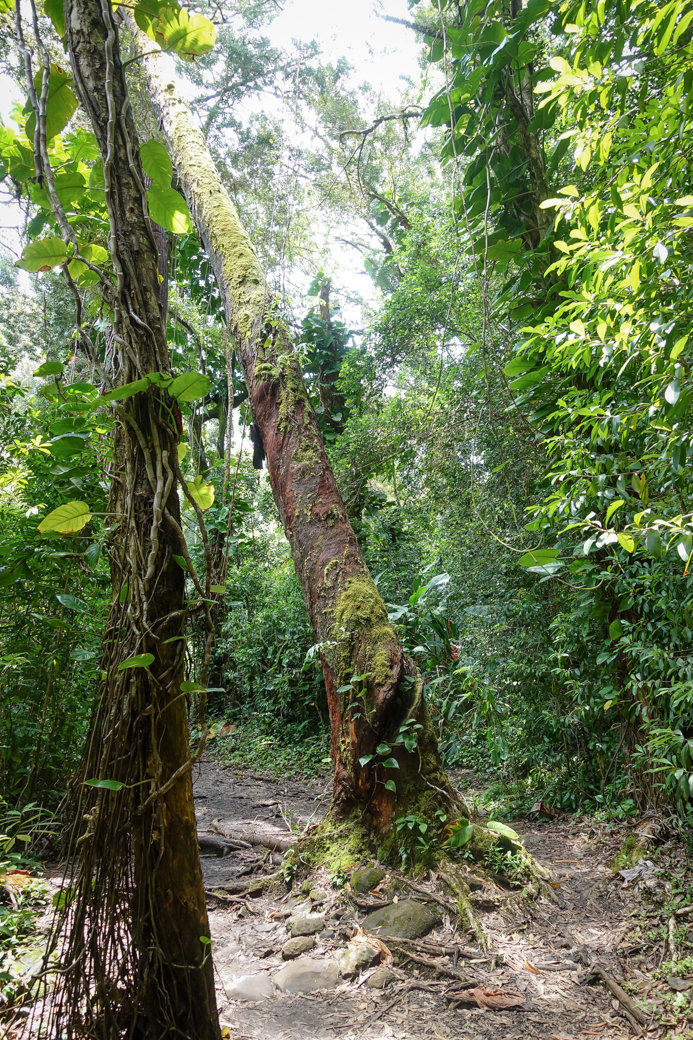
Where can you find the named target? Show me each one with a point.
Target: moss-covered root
(454, 878)
(539, 879)
(337, 843)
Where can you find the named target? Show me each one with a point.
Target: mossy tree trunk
(135, 961)
(347, 612)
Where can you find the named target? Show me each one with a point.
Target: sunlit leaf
(43, 255)
(70, 517)
(187, 35)
(49, 368)
(201, 492)
(56, 12)
(502, 828)
(156, 163)
(61, 103)
(168, 208)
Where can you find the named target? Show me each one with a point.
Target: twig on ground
(635, 1015)
(442, 969)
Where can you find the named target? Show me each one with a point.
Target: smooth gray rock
(305, 924)
(250, 987)
(306, 975)
(295, 947)
(380, 977)
(365, 879)
(680, 985)
(356, 958)
(407, 919)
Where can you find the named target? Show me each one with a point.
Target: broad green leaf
(201, 492)
(187, 35)
(156, 163)
(538, 557)
(106, 785)
(72, 602)
(383, 749)
(390, 785)
(61, 103)
(502, 828)
(615, 629)
(43, 255)
(391, 763)
(676, 350)
(68, 444)
(182, 450)
(612, 508)
(168, 208)
(138, 661)
(189, 386)
(120, 393)
(365, 759)
(217, 589)
(55, 11)
(49, 368)
(70, 517)
(626, 541)
(462, 834)
(192, 687)
(92, 554)
(80, 271)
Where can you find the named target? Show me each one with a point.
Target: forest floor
(553, 959)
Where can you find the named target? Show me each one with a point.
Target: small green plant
(416, 845)
(338, 879)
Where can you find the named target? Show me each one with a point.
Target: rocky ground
(370, 954)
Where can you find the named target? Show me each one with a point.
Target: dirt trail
(540, 951)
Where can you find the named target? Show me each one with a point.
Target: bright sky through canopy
(380, 51)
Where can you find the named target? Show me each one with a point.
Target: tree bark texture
(136, 956)
(373, 689)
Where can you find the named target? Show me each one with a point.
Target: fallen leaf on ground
(16, 879)
(645, 868)
(530, 967)
(544, 809)
(490, 998)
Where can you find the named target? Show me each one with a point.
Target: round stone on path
(295, 947)
(407, 919)
(356, 958)
(365, 879)
(306, 975)
(250, 987)
(380, 977)
(305, 924)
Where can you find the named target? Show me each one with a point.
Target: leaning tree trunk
(136, 959)
(373, 689)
